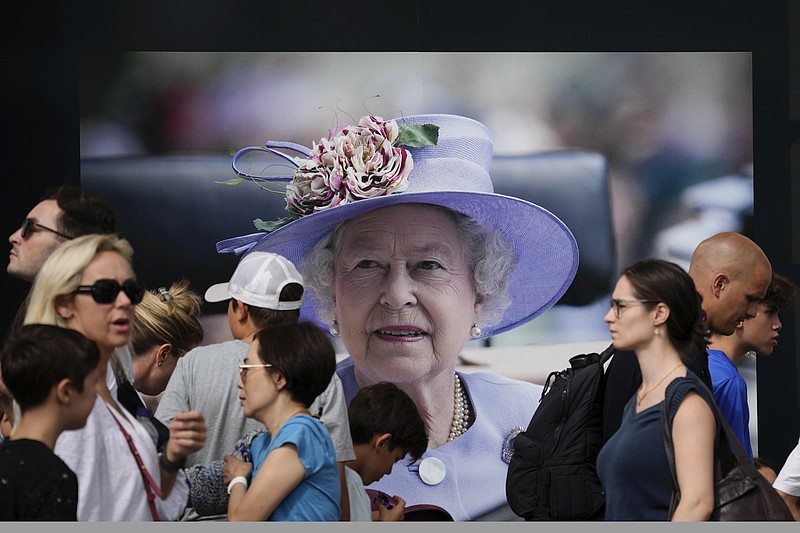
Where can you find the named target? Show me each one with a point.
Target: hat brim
(546, 249)
(217, 293)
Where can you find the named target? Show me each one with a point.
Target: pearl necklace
(460, 411)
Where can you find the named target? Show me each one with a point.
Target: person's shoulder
(305, 420)
(679, 387)
(493, 378)
(299, 428)
(353, 478)
(13, 451)
(231, 348)
(490, 383)
(721, 367)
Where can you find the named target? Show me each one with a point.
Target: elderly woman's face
(109, 325)
(403, 293)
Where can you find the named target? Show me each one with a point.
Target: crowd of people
(112, 409)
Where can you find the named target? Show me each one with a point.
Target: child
(757, 334)
(51, 372)
(385, 426)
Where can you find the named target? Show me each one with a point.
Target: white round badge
(432, 471)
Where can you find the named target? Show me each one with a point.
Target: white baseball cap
(258, 280)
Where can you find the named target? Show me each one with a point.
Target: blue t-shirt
(318, 497)
(730, 393)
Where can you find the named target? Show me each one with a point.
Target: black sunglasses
(105, 291)
(30, 226)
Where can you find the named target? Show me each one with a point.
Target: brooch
(508, 443)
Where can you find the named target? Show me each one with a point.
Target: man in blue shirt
(754, 335)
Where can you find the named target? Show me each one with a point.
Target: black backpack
(552, 473)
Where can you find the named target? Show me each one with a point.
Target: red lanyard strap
(150, 486)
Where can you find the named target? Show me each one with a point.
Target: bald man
(731, 273)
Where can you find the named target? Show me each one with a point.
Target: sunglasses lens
(134, 290)
(26, 229)
(105, 291)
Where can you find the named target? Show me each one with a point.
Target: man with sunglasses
(62, 214)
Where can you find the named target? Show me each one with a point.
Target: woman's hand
(187, 434)
(234, 467)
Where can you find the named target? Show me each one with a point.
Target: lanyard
(150, 486)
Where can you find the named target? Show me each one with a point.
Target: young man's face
(29, 254)
(760, 333)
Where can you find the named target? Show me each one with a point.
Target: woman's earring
(658, 331)
(334, 329)
(475, 332)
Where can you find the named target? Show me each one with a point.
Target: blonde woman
(166, 325)
(88, 285)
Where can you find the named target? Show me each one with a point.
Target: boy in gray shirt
(265, 288)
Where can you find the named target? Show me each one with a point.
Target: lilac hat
(451, 172)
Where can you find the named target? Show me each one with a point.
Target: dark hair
(38, 356)
(82, 213)
(780, 293)
(303, 353)
(656, 279)
(384, 408)
(263, 317)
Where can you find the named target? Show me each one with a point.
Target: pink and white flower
(351, 163)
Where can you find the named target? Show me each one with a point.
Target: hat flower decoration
(352, 163)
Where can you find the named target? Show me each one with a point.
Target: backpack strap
(606, 354)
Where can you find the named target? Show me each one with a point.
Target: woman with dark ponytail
(656, 313)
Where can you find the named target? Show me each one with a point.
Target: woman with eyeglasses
(88, 285)
(655, 312)
(293, 475)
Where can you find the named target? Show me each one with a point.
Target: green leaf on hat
(418, 135)
(271, 225)
(232, 181)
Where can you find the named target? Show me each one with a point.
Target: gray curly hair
(489, 258)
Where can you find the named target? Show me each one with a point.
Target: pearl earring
(334, 329)
(475, 332)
